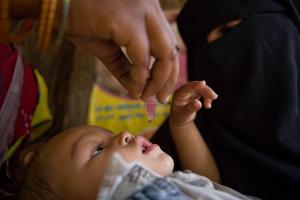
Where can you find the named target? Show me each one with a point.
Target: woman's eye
(231, 25)
(99, 148)
(226, 29)
(220, 31)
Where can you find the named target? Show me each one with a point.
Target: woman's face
(78, 158)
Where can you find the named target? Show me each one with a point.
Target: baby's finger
(193, 106)
(192, 89)
(207, 103)
(184, 90)
(206, 91)
(190, 109)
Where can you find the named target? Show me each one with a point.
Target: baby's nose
(124, 138)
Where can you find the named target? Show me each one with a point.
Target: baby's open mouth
(145, 144)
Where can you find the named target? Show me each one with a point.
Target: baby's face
(78, 158)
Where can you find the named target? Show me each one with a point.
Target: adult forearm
(193, 152)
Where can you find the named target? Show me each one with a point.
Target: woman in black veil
(253, 129)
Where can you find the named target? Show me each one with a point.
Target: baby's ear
(22, 159)
(27, 157)
(28, 154)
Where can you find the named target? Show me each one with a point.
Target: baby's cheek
(129, 155)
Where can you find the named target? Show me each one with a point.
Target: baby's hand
(186, 102)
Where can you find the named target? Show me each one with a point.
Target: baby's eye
(98, 149)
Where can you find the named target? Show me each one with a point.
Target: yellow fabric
(122, 114)
(42, 119)
(13, 148)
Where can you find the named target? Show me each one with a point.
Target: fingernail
(208, 106)
(139, 95)
(167, 100)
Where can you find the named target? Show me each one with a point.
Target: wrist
(177, 126)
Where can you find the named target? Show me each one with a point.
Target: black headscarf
(197, 19)
(253, 129)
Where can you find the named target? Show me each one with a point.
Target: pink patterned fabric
(18, 98)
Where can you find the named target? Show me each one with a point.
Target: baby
(91, 162)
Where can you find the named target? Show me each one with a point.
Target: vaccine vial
(150, 108)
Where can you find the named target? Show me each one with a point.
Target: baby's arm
(191, 148)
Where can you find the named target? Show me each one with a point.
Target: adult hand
(103, 26)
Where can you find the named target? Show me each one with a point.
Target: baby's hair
(37, 183)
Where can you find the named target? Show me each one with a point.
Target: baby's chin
(167, 166)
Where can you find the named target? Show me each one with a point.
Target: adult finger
(113, 58)
(170, 85)
(131, 33)
(162, 45)
(139, 54)
(171, 82)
